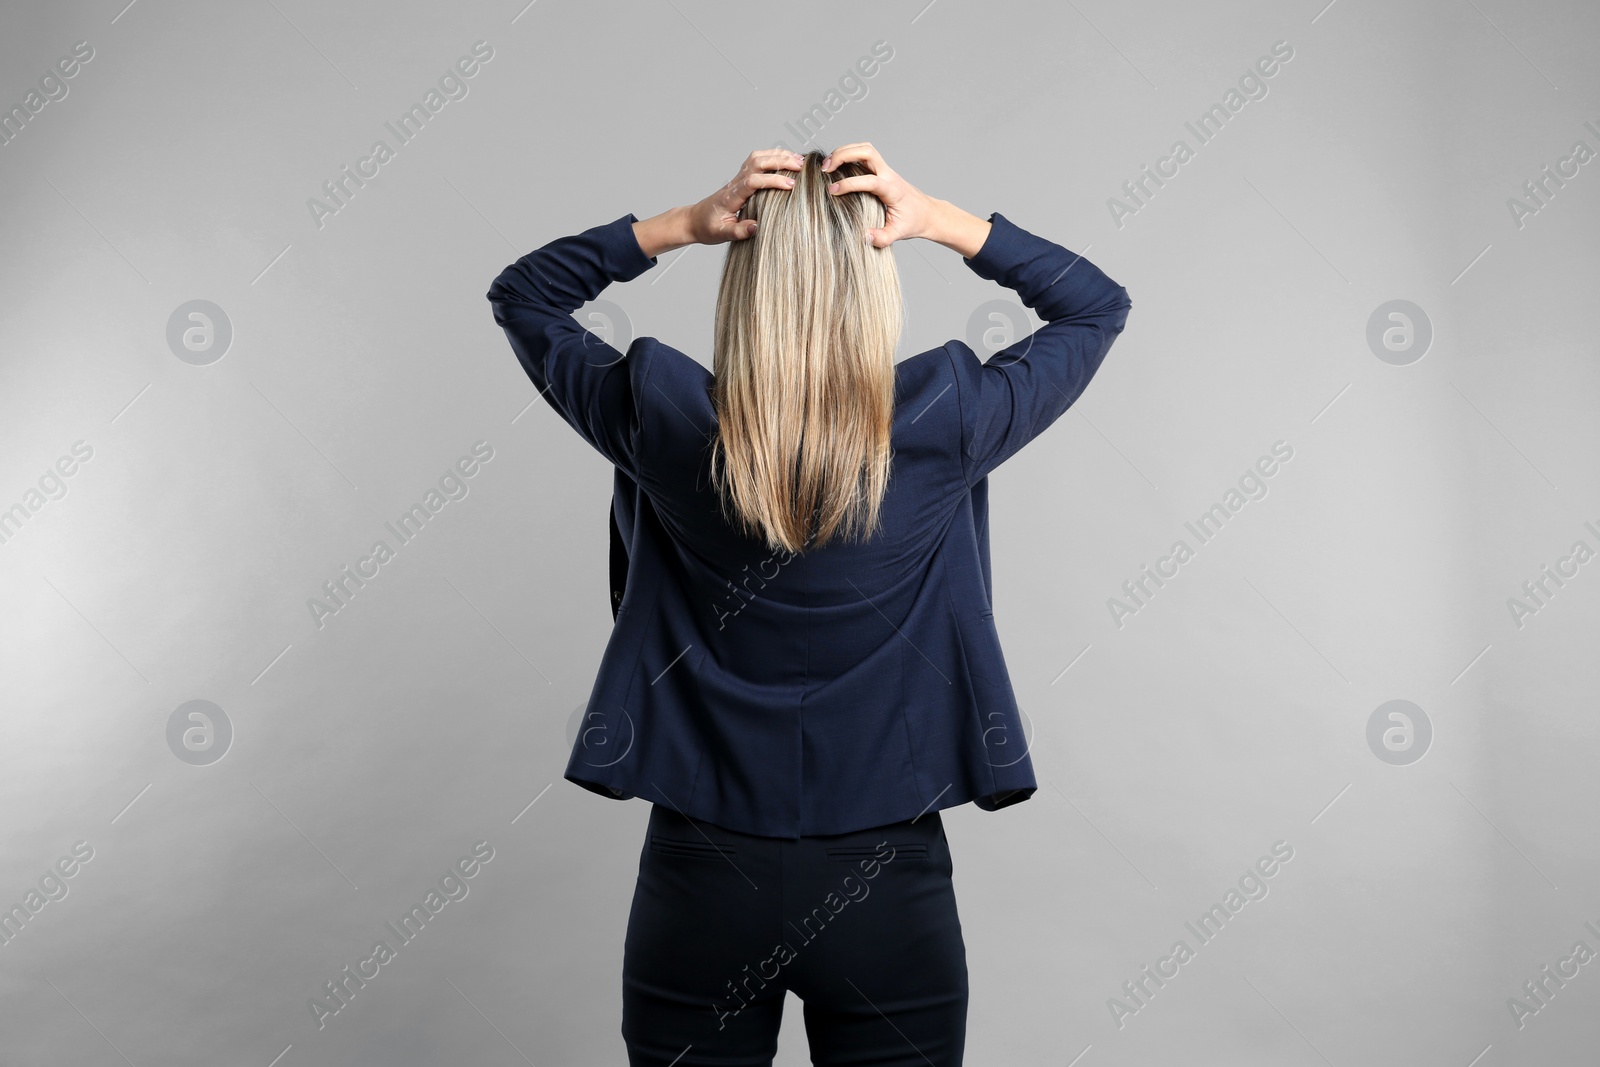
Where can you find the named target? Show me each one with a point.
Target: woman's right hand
(909, 211)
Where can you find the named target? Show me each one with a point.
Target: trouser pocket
(915, 850)
(702, 849)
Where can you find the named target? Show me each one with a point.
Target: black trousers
(862, 926)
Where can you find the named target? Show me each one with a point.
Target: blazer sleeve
(586, 380)
(1018, 392)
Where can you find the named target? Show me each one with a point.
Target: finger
(775, 158)
(860, 183)
(885, 235)
(771, 159)
(841, 151)
(736, 192)
(731, 199)
(744, 229)
(860, 152)
(762, 179)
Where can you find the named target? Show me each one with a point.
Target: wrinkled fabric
(846, 687)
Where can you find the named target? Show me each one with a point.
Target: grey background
(1231, 712)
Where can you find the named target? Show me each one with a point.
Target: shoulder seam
(644, 344)
(961, 412)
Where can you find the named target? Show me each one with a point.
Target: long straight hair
(808, 318)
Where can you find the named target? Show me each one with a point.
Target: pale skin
(909, 211)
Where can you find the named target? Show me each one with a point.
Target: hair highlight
(808, 318)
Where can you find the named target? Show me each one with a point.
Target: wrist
(665, 232)
(956, 229)
(935, 223)
(682, 225)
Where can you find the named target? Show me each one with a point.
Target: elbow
(501, 289)
(1113, 311)
(1121, 316)
(515, 284)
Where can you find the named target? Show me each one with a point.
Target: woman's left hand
(715, 220)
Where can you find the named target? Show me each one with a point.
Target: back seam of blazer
(961, 410)
(905, 720)
(972, 681)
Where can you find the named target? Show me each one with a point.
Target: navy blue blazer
(837, 689)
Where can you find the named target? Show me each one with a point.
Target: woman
(804, 668)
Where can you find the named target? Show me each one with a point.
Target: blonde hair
(808, 319)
